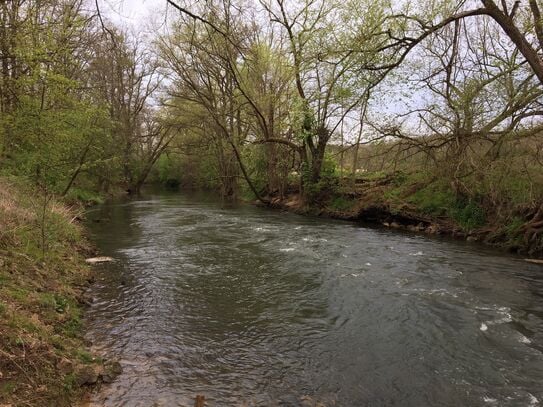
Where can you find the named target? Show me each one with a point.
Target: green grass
(84, 196)
(21, 295)
(340, 203)
(70, 383)
(432, 200)
(47, 301)
(85, 356)
(72, 327)
(435, 198)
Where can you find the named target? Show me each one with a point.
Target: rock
(395, 225)
(114, 367)
(107, 378)
(386, 224)
(432, 229)
(95, 260)
(87, 375)
(65, 366)
(472, 239)
(111, 371)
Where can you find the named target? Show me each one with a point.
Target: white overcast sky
(132, 12)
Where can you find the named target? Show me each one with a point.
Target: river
(255, 307)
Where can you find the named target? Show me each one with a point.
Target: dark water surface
(248, 305)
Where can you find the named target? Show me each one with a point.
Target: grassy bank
(42, 275)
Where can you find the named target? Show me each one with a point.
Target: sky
(132, 12)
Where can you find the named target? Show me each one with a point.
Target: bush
(468, 214)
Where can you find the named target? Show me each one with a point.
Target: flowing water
(254, 307)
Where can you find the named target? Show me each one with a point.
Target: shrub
(468, 213)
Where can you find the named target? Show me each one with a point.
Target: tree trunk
(317, 155)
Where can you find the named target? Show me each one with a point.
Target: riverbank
(43, 358)
(399, 202)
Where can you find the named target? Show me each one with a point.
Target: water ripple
(252, 306)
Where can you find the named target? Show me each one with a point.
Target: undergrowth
(41, 275)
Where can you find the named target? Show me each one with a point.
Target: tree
(49, 126)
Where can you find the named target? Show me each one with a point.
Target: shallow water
(255, 307)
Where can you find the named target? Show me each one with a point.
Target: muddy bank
(403, 216)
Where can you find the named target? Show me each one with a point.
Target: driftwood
(534, 261)
(200, 401)
(95, 260)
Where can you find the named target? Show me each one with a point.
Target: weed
(70, 382)
(7, 387)
(72, 327)
(84, 196)
(340, 203)
(468, 214)
(84, 356)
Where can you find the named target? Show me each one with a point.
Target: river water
(254, 307)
